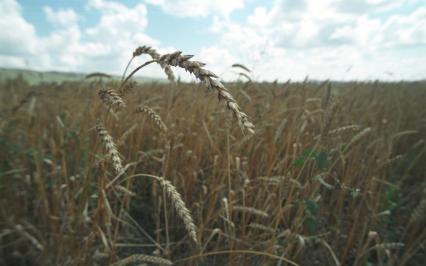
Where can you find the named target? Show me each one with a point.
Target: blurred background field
(33, 77)
(334, 174)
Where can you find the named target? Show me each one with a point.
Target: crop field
(103, 172)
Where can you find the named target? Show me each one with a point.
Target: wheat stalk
(419, 212)
(262, 227)
(210, 80)
(126, 134)
(142, 258)
(285, 186)
(154, 55)
(357, 137)
(110, 147)
(241, 66)
(343, 129)
(250, 210)
(97, 75)
(179, 205)
(393, 245)
(154, 117)
(123, 90)
(111, 98)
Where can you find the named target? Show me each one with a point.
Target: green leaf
(322, 160)
(355, 192)
(311, 223)
(280, 242)
(311, 207)
(299, 161)
(309, 153)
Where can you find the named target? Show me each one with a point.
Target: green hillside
(36, 77)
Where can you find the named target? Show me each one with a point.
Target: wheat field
(103, 172)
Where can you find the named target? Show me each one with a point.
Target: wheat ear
(154, 55)
(210, 80)
(180, 207)
(343, 129)
(154, 117)
(251, 210)
(111, 98)
(110, 147)
(142, 258)
(262, 227)
(419, 212)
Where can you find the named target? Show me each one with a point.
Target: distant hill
(36, 77)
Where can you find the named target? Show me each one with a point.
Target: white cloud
(62, 17)
(396, 30)
(259, 18)
(198, 8)
(290, 39)
(370, 6)
(218, 58)
(106, 46)
(323, 39)
(17, 39)
(117, 20)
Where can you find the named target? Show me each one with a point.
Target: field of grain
(334, 174)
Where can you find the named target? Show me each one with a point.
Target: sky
(276, 39)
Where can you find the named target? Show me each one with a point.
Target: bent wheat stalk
(210, 80)
(155, 56)
(205, 76)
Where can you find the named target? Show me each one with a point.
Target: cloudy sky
(277, 39)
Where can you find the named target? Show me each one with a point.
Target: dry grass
(334, 174)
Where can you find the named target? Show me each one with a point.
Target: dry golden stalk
(126, 134)
(313, 100)
(111, 98)
(343, 129)
(154, 117)
(285, 187)
(210, 80)
(326, 97)
(242, 74)
(110, 147)
(393, 160)
(24, 100)
(97, 74)
(20, 229)
(404, 133)
(358, 137)
(242, 67)
(280, 129)
(393, 245)
(125, 190)
(250, 210)
(154, 55)
(293, 236)
(142, 258)
(333, 255)
(126, 88)
(262, 227)
(419, 212)
(180, 207)
(328, 119)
